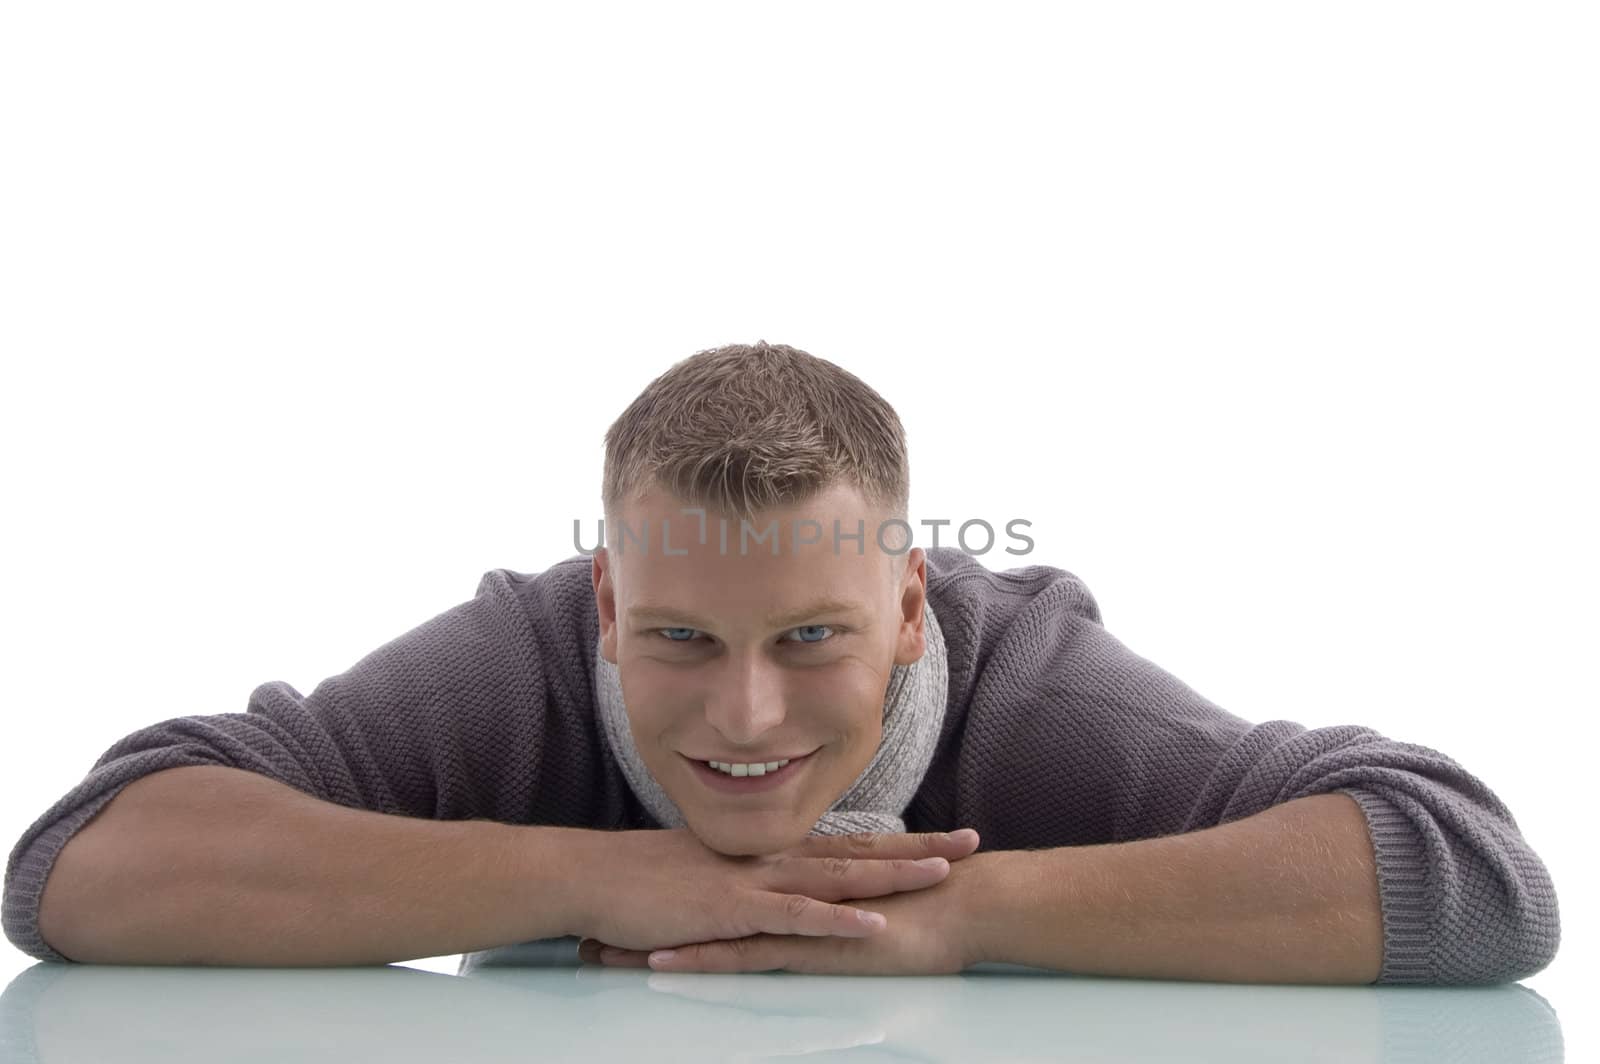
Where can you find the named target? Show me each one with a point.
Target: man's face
(740, 668)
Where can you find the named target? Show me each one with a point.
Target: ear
(911, 595)
(603, 574)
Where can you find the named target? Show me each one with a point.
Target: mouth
(723, 783)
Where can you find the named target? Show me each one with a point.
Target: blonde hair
(742, 428)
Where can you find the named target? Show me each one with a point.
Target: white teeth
(758, 769)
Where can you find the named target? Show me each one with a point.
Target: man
(670, 743)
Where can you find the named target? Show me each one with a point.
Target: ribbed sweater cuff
(21, 912)
(1402, 869)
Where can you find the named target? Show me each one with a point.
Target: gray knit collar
(913, 714)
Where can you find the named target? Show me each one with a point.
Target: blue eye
(665, 633)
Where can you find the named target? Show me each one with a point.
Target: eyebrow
(654, 611)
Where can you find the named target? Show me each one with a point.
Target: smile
(722, 782)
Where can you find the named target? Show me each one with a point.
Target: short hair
(742, 428)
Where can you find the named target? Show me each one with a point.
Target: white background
(1277, 321)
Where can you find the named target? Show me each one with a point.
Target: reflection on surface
(533, 1001)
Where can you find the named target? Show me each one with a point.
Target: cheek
(842, 701)
(846, 687)
(652, 692)
(852, 724)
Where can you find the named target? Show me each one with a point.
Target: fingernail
(932, 862)
(662, 956)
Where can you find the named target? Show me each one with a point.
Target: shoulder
(551, 613)
(1013, 629)
(983, 603)
(562, 591)
(552, 586)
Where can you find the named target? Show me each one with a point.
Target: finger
(952, 845)
(612, 957)
(869, 864)
(757, 953)
(839, 877)
(777, 913)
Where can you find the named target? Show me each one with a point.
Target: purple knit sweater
(1056, 735)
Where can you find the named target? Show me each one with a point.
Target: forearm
(212, 865)
(1289, 895)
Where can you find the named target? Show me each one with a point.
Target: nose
(747, 698)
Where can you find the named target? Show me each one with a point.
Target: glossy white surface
(532, 1002)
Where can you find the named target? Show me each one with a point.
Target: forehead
(782, 561)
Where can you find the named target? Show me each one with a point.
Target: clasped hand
(717, 913)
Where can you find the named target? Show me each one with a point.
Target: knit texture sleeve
(448, 721)
(1074, 739)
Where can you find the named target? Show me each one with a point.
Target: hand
(657, 888)
(930, 932)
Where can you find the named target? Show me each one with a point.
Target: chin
(731, 840)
